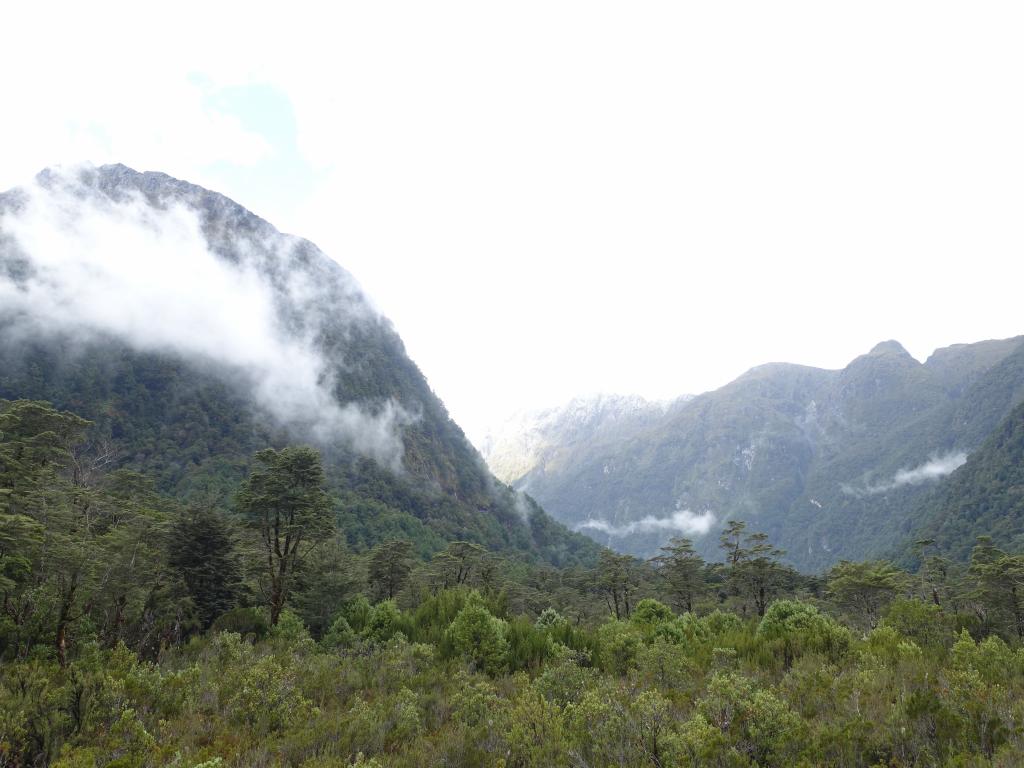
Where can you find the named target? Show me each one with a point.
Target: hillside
(984, 497)
(829, 463)
(192, 333)
(530, 439)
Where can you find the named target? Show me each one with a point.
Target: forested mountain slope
(830, 463)
(192, 333)
(985, 497)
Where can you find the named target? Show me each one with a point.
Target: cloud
(933, 469)
(682, 520)
(594, 165)
(82, 263)
(522, 507)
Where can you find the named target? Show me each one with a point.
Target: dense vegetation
(144, 629)
(985, 497)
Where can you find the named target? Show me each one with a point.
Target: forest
(140, 628)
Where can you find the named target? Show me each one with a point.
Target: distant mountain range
(832, 464)
(192, 333)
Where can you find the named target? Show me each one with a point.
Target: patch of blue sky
(281, 179)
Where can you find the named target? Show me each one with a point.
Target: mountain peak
(890, 347)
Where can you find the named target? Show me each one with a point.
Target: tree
(754, 571)
(458, 563)
(617, 582)
(682, 570)
(135, 596)
(937, 573)
(1000, 583)
(43, 517)
(330, 577)
(390, 566)
(283, 498)
(731, 542)
(763, 573)
(204, 554)
(865, 588)
(36, 442)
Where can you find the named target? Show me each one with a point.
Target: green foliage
(284, 500)
(339, 635)
(864, 589)
(479, 637)
(384, 621)
(983, 498)
(550, 619)
(922, 622)
(755, 722)
(683, 571)
(800, 628)
(649, 613)
(204, 554)
(106, 662)
(389, 569)
(618, 644)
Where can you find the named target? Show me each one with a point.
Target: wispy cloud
(682, 520)
(933, 469)
(85, 264)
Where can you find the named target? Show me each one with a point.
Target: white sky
(553, 198)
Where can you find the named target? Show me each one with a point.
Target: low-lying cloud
(81, 263)
(935, 468)
(682, 521)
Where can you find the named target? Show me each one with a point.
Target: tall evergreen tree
(864, 589)
(999, 585)
(390, 566)
(284, 499)
(682, 570)
(617, 581)
(204, 554)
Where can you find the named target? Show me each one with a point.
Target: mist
(75, 261)
(935, 468)
(682, 521)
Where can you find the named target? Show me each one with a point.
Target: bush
(798, 627)
(479, 637)
(384, 621)
(618, 643)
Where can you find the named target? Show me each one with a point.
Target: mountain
(533, 438)
(193, 333)
(830, 463)
(984, 497)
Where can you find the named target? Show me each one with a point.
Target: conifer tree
(284, 499)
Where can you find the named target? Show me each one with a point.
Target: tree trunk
(1018, 614)
(63, 621)
(278, 593)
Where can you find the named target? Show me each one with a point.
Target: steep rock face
(296, 353)
(829, 463)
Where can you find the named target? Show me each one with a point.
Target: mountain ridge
(828, 462)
